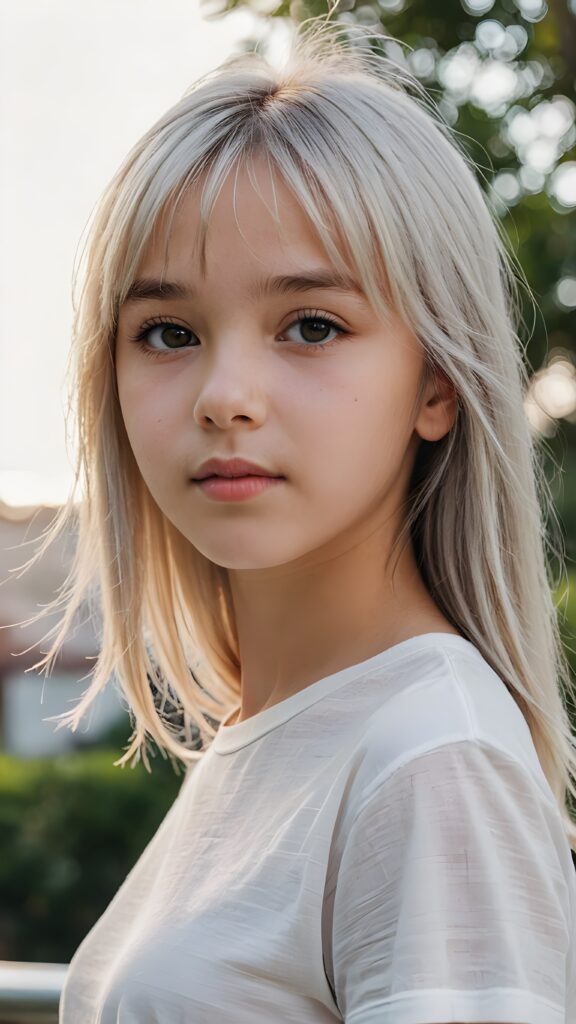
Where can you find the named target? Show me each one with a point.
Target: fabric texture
(380, 848)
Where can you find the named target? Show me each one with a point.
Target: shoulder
(458, 712)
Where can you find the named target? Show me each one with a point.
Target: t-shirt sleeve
(450, 902)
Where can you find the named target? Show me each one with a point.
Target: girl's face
(306, 382)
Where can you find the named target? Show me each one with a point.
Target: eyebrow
(151, 288)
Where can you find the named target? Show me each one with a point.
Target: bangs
(346, 229)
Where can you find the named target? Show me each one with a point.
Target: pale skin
(309, 560)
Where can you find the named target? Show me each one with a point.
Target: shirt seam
(448, 739)
(438, 645)
(403, 997)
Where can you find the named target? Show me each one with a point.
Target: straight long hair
(396, 201)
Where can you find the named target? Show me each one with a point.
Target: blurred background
(79, 84)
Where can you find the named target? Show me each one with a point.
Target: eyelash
(302, 315)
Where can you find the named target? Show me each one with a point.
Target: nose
(230, 388)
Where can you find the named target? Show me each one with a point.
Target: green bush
(72, 827)
(566, 607)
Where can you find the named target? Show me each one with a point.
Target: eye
(312, 326)
(170, 334)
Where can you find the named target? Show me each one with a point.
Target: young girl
(314, 505)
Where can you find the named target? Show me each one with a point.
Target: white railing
(30, 993)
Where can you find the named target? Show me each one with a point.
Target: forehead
(253, 215)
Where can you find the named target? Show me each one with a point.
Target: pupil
(318, 326)
(179, 331)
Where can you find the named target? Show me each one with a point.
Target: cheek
(146, 415)
(355, 428)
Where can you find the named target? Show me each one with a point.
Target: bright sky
(79, 83)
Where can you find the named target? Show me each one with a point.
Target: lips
(232, 489)
(228, 468)
(234, 476)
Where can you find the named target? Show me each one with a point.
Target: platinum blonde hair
(395, 201)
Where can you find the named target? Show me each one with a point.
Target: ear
(438, 408)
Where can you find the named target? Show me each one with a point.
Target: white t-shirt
(380, 848)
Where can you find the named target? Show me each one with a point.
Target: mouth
(237, 488)
(243, 476)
